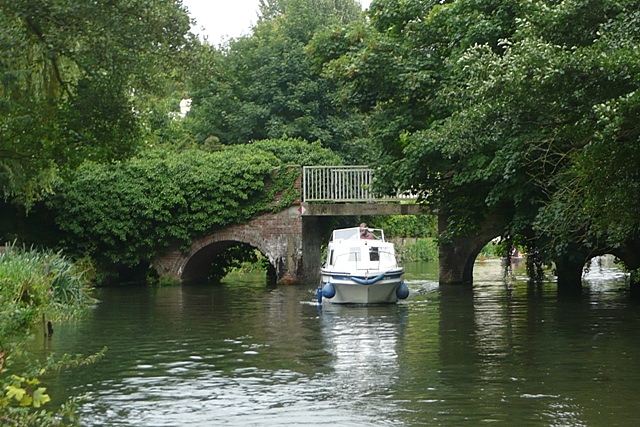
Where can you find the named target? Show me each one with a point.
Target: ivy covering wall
(124, 213)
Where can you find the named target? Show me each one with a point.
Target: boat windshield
(346, 234)
(354, 234)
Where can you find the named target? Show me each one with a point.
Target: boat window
(354, 254)
(346, 234)
(387, 258)
(331, 257)
(374, 255)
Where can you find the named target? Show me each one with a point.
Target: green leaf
(14, 392)
(40, 397)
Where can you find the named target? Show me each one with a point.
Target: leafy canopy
(264, 85)
(70, 71)
(528, 108)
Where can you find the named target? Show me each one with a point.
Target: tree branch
(54, 62)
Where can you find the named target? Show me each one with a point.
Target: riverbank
(38, 289)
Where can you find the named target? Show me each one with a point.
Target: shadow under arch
(198, 267)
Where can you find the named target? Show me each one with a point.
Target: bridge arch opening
(601, 262)
(570, 273)
(509, 250)
(213, 262)
(607, 260)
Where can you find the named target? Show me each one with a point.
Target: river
(502, 353)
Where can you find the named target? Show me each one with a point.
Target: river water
(502, 353)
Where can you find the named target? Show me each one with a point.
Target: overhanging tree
(529, 108)
(69, 74)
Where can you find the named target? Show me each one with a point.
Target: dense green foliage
(406, 225)
(417, 250)
(35, 283)
(527, 108)
(240, 258)
(122, 214)
(530, 109)
(292, 151)
(68, 70)
(35, 286)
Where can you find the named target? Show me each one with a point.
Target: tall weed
(34, 283)
(34, 286)
(416, 249)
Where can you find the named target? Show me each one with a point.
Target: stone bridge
(276, 235)
(292, 238)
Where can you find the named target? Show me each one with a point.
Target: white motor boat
(361, 268)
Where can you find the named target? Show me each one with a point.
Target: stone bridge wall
(277, 235)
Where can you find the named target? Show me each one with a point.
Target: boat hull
(384, 288)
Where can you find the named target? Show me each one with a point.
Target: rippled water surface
(241, 354)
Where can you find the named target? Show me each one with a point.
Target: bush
(293, 151)
(415, 250)
(407, 225)
(125, 213)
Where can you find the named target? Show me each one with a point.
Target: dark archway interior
(198, 269)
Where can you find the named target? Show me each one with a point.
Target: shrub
(123, 214)
(415, 250)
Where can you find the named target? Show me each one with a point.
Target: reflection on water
(364, 344)
(510, 353)
(242, 354)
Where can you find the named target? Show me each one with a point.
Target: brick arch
(277, 235)
(570, 268)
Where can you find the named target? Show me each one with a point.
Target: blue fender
(328, 291)
(368, 281)
(403, 291)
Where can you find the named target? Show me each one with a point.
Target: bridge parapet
(343, 184)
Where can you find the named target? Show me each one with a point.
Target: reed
(36, 286)
(36, 283)
(416, 249)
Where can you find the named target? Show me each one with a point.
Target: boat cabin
(348, 252)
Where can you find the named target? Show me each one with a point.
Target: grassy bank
(415, 249)
(37, 290)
